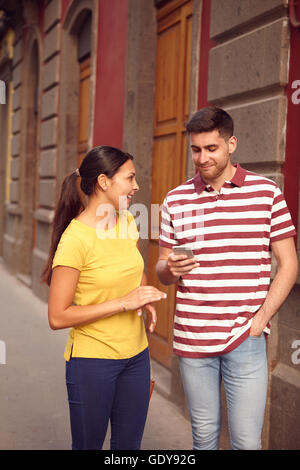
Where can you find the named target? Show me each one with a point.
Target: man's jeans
(245, 376)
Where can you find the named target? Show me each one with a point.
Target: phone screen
(178, 250)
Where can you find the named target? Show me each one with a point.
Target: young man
(232, 219)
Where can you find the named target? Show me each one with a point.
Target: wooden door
(83, 115)
(173, 61)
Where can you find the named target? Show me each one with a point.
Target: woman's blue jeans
(244, 373)
(103, 390)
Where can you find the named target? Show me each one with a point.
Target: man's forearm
(278, 292)
(164, 274)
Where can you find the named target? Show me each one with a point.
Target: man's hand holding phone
(181, 261)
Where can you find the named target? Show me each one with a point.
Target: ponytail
(68, 207)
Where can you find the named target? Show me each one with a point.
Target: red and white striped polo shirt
(230, 233)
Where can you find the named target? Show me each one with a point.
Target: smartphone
(181, 250)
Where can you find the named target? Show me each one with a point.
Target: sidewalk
(34, 411)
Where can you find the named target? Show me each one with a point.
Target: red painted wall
(291, 168)
(41, 17)
(110, 74)
(64, 6)
(205, 45)
(110, 71)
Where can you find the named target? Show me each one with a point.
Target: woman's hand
(152, 311)
(141, 296)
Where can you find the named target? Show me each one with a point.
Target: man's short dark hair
(210, 119)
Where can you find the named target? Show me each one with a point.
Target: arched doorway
(76, 92)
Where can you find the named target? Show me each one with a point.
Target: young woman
(95, 273)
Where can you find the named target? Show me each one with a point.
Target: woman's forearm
(63, 315)
(77, 315)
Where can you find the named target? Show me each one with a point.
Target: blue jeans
(100, 390)
(244, 373)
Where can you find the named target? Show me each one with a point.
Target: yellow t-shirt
(110, 266)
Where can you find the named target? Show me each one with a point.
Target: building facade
(129, 73)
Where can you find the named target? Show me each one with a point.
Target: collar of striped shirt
(237, 180)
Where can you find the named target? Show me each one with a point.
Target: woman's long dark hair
(99, 160)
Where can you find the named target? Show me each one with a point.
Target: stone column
(12, 207)
(48, 141)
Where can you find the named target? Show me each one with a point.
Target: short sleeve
(167, 232)
(281, 221)
(70, 252)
